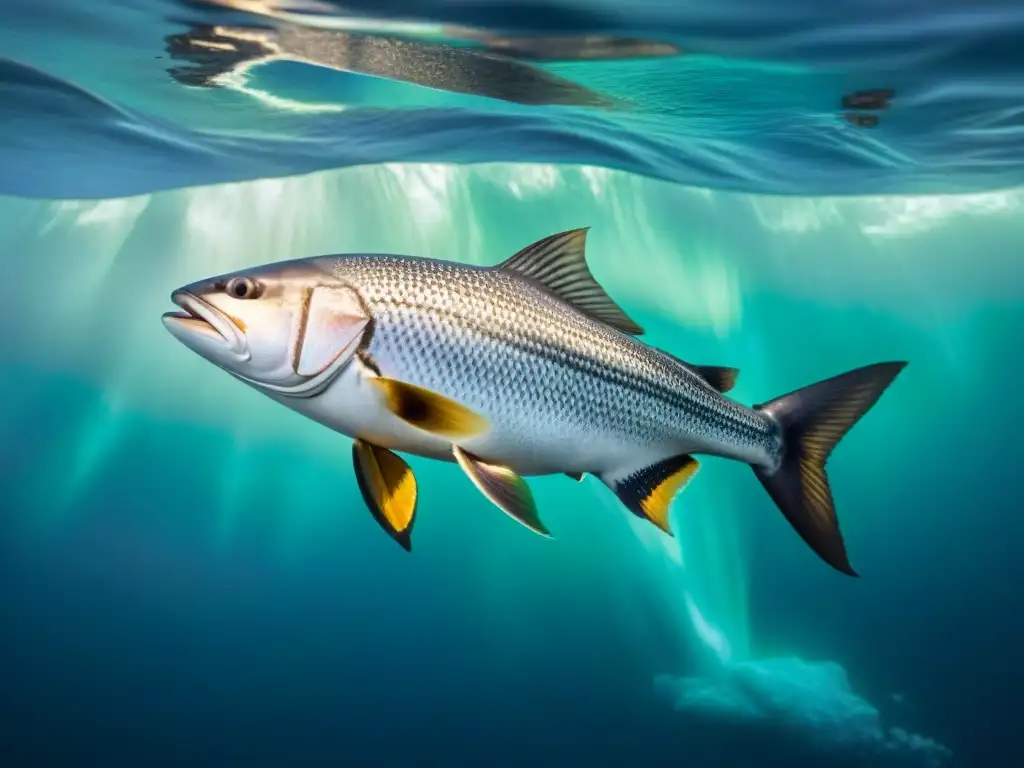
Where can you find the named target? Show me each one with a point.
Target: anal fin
(507, 490)
(389, 489)
(648, 492)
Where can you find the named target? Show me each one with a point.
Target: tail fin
(813, 420)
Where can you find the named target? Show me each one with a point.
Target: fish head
(281, 326)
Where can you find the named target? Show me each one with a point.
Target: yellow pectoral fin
(389, 489)
(430, 411)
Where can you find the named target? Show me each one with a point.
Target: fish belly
(526, 440)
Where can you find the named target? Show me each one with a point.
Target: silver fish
(526, 368)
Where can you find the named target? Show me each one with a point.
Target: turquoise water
(188, 573)
(185, 558)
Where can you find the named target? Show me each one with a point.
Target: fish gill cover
(185, 560)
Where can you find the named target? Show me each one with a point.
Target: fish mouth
(201, 320)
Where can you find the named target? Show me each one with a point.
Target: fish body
(525, 368)
(562, 392)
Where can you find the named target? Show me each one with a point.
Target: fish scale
(507, 347)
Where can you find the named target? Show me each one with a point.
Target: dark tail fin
(813, 420)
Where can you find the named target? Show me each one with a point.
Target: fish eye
(242, 288)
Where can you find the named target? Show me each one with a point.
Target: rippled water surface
(791, 97)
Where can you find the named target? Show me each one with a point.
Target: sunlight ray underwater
(100, 274)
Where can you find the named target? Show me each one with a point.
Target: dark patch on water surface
(861, 121)
(880, 98)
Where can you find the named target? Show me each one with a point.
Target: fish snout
(204, 328)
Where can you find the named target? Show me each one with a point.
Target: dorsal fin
(721, 378)
(559, 263)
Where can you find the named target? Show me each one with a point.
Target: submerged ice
(808, 708)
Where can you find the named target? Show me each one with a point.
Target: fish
(520, 369)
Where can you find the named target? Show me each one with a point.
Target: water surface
(792, 97)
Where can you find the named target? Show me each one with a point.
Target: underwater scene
(379, 377)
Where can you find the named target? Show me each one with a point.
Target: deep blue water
(188, 575)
